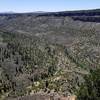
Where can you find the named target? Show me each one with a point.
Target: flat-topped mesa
(82, 15)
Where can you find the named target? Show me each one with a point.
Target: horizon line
(48, 11)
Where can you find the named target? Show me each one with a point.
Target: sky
(47, 5)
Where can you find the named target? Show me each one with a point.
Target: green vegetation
(49, 54)
(42, 65)
(90, 90)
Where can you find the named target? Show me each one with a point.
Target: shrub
(90, 90)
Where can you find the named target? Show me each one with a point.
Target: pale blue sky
(47, 5)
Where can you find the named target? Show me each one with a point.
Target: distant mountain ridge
(67, 13)
(82, 15)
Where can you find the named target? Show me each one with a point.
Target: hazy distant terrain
(47, 52)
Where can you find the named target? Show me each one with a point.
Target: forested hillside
(49, 53)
